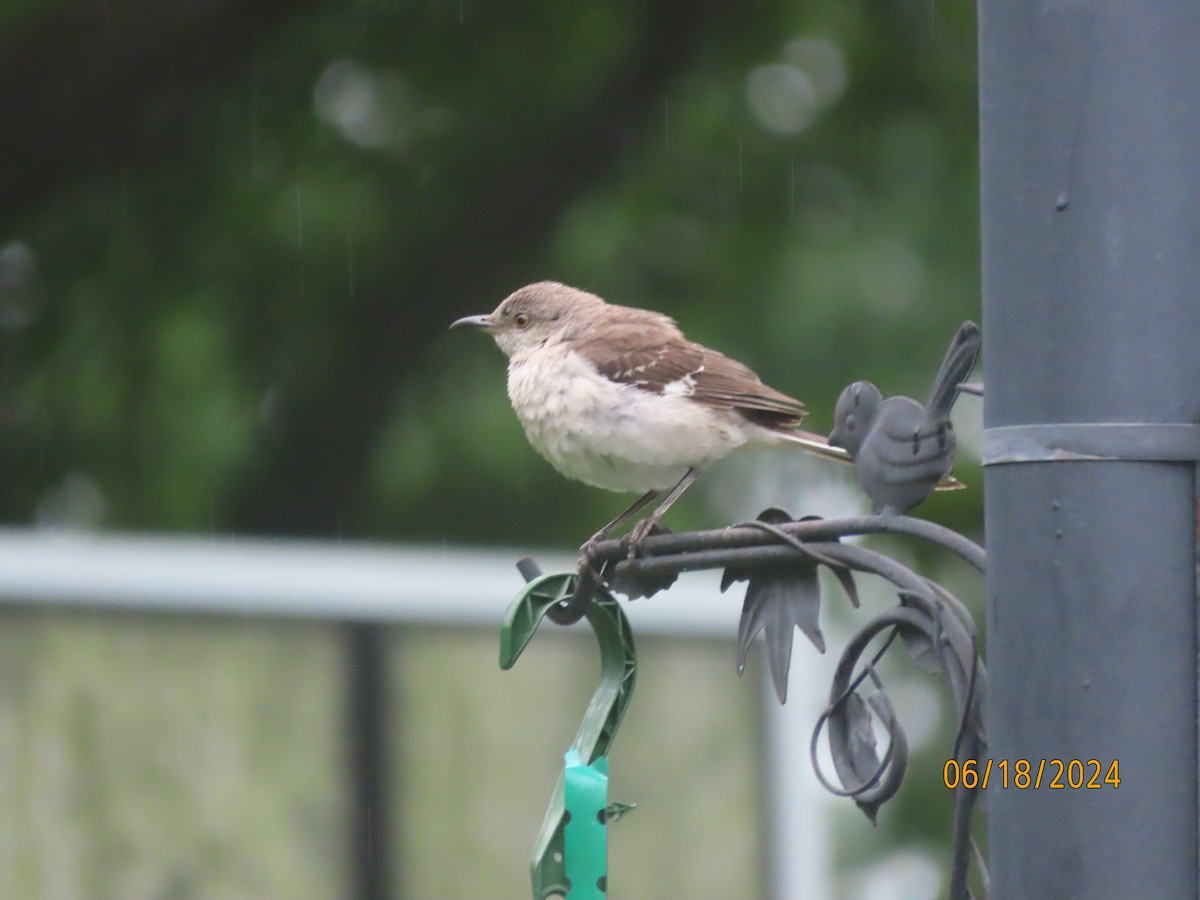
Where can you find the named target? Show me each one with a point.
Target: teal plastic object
(560, 861)
(585, 835)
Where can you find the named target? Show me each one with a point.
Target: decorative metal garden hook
(570, 856)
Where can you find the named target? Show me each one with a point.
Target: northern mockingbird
(619, 399)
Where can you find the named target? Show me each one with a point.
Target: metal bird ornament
(902, 449)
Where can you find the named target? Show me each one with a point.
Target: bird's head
(852, 417)
(534, 315)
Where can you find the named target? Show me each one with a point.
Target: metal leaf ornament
(871, 781)
(780, 598)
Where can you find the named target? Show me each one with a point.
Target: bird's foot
(632, 541)
(588, 561)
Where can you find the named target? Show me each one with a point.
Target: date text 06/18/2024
(1023, 774)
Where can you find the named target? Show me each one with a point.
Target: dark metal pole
(1090, 146)
(367, 726)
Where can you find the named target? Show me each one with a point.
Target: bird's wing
(659, 359)
(726, 382)
(905, 445)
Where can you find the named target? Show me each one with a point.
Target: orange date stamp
(1026, 774)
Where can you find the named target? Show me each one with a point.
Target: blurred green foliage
(234, 235)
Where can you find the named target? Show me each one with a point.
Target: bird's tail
(818, 445)
(815, 444)
(959, 361)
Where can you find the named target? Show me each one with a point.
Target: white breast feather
(615, 436)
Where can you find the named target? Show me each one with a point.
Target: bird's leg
(642, 529)
(587, 551)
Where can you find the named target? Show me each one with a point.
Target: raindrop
(124, 195)
(299, 219)
(792, 192)
(741, 168)
(299, 241)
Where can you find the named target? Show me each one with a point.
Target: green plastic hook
(618, 666)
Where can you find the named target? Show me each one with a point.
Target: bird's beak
(479, 323)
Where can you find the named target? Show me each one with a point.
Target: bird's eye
(521, 320)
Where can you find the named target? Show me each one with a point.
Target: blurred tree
(250, 224)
